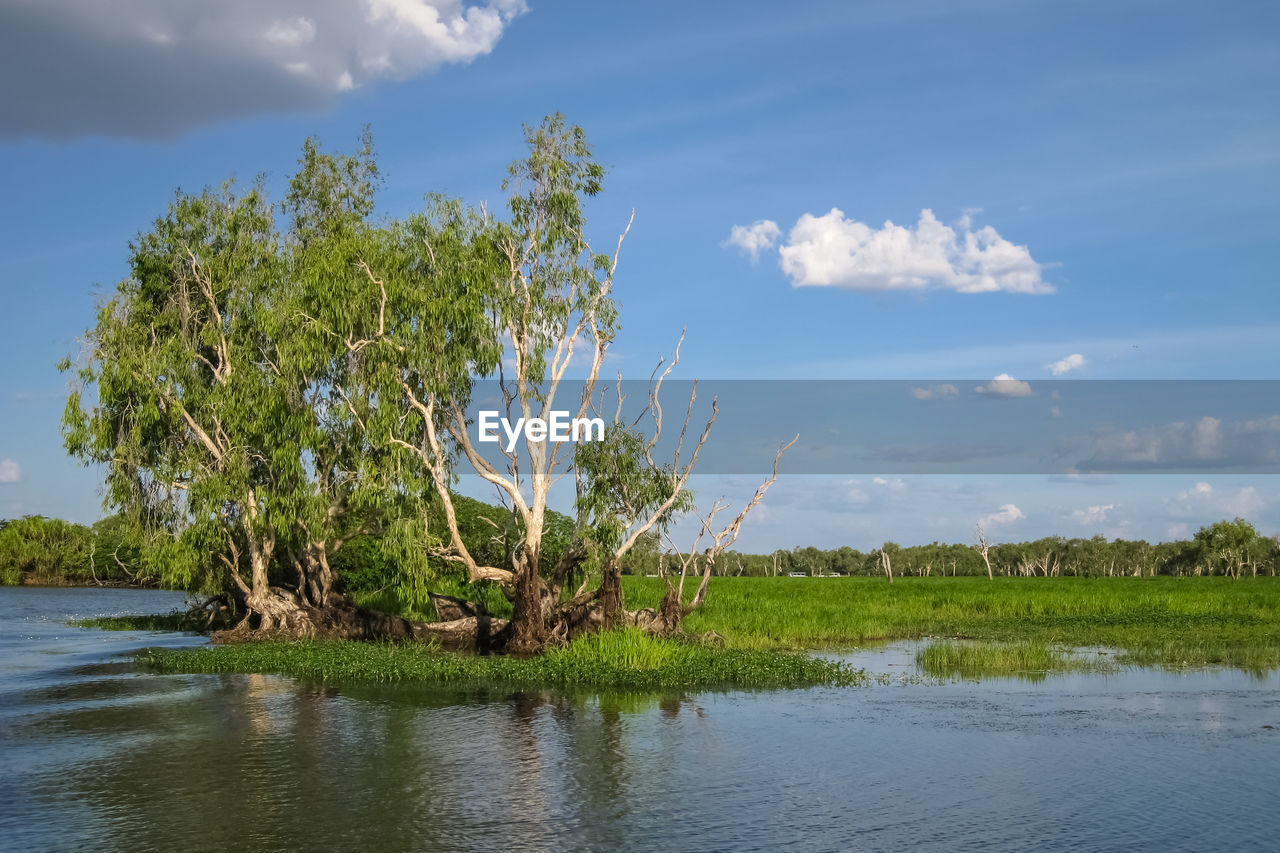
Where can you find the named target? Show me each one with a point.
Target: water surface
(94, 755)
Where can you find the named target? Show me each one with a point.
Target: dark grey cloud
(157, 68)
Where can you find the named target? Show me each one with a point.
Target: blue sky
(1125, 154)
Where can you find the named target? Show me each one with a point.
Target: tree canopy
(276, 380)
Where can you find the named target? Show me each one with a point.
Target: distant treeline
(50, 551)
(118, 551)
(1232, 548)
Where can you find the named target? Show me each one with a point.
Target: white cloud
(290, 33)
(1094, 515)
(10, 471)
(935, 392)
(1004, 385)
(1187, 444)
(1075, 361)
(897, 484)
(855, 494)
(1202, 501)
(1006, 514)
(879, 490)
(754, 238)
(147, 68)
(833, 251)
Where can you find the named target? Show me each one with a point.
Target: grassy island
(621, 660)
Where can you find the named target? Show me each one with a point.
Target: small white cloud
(1094, 515)
(1075, 361)
(294, 32)
(1202, 501)
(10, 471)
(897, 484)
(833, 251)
(1005, 385)
(1006, 514)
(935, 392)
(754, 238)
(855, 494)
(1055, 411)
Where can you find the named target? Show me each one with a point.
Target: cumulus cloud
(1094, 515)
(10, 471)
(1075, 361)
(1251, 443)
(1204, 502)
(754, 238)
(1004, 385)
(897, 484)
(860, 493)
(1006, 514)
(157, 68)
(935, 392)
(832, 250)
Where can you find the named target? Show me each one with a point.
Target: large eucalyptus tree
(262, 394)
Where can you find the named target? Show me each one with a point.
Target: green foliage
(1228, 546)
(39, 550)
(247, 380)
(618, 486)
(188, 418)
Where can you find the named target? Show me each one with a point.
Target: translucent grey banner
(947, 426)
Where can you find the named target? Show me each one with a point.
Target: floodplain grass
(622, 660)
(1172, 622)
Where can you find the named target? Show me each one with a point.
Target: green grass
(1167, 621)
(176, 621)
(1027, 660)
(626, 660)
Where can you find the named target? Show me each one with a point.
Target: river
(97, 756)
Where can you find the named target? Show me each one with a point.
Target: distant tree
(39, 550)
(1227, 545)
(984, 548)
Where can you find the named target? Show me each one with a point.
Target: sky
(909, 190)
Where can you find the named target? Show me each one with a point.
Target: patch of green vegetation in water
(622, 660)
(176, 621)
(1025, 660)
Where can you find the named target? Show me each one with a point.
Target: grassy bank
(625, 660)
(1168, 621)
